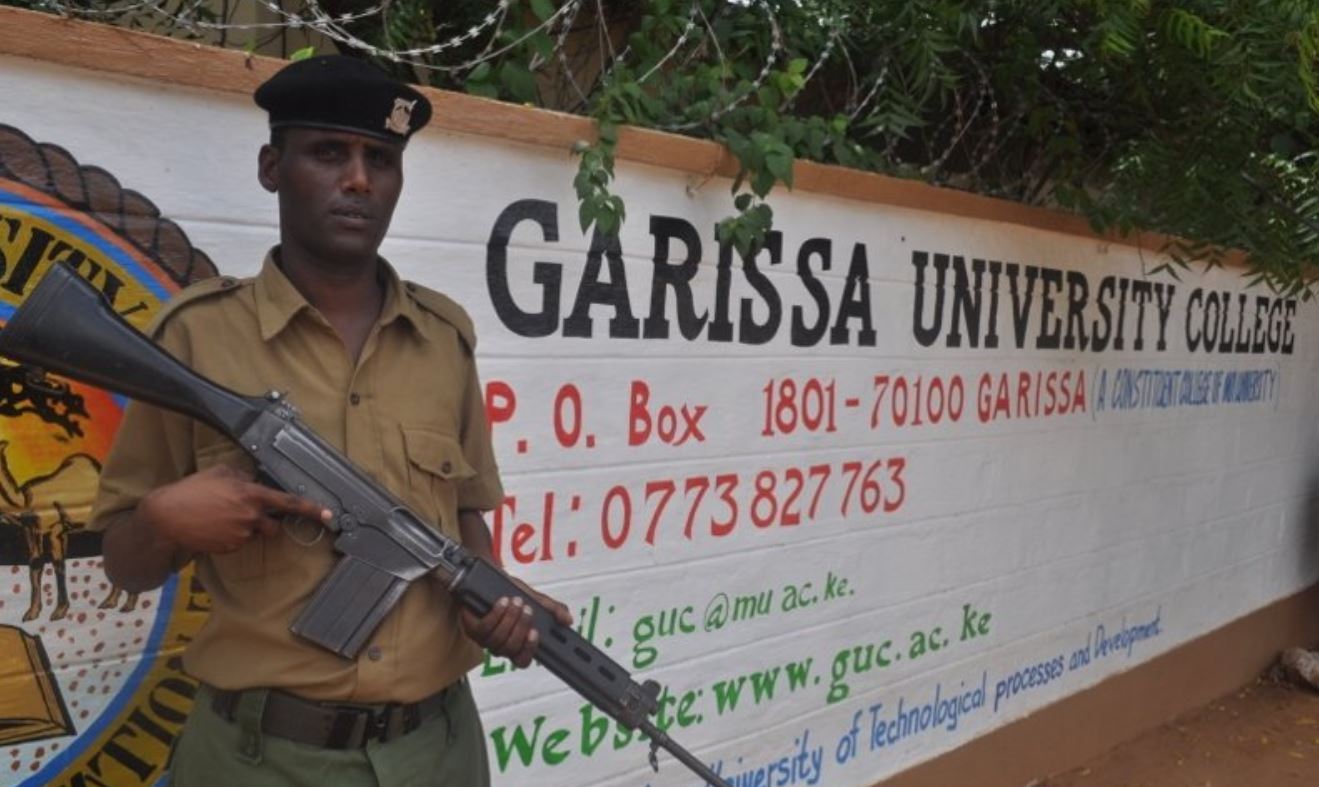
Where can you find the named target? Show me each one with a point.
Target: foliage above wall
(1193, 118)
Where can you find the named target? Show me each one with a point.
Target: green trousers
(447, 750)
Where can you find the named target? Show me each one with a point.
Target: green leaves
(747, 230)
(543, 9)
(518, 81)
(1191, 31)
(597, 206)
(1194, 118)
(778, 160)
(765, 158)
(479, 82)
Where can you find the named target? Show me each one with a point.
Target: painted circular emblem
(91, 685)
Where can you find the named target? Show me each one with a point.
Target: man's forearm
(475, 535)
(136, 558)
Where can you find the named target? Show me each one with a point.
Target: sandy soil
(1265, 735)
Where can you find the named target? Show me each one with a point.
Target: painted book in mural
(31, 707)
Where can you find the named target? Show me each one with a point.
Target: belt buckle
(379, 726)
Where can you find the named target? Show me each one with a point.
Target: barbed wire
(775, 49)
(864, 94)
(560, 52)
(677, 45)
(326, 25)
(870, 95)
(69, 11)
(963, 120)
(834, 35)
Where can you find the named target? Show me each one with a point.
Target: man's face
(337, 192)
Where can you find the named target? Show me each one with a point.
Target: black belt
(331, 725)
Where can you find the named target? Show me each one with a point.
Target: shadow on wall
(1307, 540)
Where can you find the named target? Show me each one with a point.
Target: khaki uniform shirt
(410, 413)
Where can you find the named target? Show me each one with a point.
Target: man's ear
(267, 168)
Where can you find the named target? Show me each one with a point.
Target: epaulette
(446, 309)
(197, 291)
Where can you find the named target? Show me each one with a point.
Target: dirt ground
(1266, 735)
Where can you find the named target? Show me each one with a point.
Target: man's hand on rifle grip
(220, 509)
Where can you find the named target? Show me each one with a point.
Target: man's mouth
(352, 219)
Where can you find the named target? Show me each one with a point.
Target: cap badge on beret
(400, 117)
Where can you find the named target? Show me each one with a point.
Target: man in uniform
(384, 370)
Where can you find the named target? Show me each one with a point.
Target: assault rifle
(67, 327)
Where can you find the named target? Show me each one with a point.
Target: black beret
(343, 93)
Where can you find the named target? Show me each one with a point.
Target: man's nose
(356, 176)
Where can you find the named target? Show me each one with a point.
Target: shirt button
(374, 653)
(355, 399)
(446, 468)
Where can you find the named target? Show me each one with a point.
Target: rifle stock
(67, 327)
(60, 328)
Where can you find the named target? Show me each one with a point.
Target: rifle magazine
(348, 606)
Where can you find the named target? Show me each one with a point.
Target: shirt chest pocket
(436, 467)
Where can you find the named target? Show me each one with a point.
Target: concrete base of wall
(1072, 731)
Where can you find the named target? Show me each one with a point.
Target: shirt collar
(278, 301)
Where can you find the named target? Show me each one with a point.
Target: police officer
(384, 370)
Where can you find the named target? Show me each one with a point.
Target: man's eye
(381, 158)
(328, 152)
